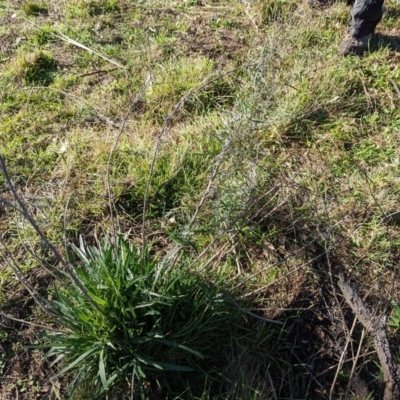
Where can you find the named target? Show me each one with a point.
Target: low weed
(160, 329)
(44, 36)
(36, 68)
(101, 7)
(35, 8)
(274, 169)
(178, 78)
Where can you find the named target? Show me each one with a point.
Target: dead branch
(67, 267)
(135, 101)
(377, 328)
(97, 72)
(396, 88)
(157, 147)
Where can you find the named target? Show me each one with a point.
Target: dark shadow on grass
(385, 41)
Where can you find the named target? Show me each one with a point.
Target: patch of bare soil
(331, 349)
(24, 375)
(8, 42)
(12, 36)
(213, 32)
(221, 44)
(319, 349)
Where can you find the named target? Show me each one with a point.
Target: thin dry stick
(272, 386)
(215, 254)
(270, 321)
(160, 135)
(42, 302)
(35, 226)
(274, 209)
(117, 139)
(219, 160)
(298, 251)
(97, 72)
(67, 39)
(44, 264)
(370, 353)
(102, 116)
(27, 322)
(355, 361)
(377, 328)
(342, 357)
(396, 88)
(277, 190)
(367, 95)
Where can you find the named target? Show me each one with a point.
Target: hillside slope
(230, 139)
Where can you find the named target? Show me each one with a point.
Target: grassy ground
(228, 135)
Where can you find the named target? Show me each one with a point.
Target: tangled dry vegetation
(204, 172)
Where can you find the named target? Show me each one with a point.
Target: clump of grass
(32, 8)
(36, 68)
(291, 162)
(167, 329)
(44, 36)
(102, 7)
(173, 80)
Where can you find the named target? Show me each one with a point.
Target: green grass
(265, 161)
(167, 328)
(34, 8)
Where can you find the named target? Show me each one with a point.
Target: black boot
(365, 16)
(352, 45)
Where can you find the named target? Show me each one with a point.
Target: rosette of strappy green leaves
(146, 323)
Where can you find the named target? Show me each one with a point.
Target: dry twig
(396, 88)
(132, 106)
(97, 72)
(377, 328)
(24, 212)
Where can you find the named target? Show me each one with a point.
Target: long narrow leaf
(163, 365)
(75, 363)
(102, 371)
